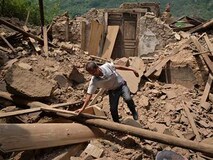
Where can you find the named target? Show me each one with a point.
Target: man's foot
(135, 115)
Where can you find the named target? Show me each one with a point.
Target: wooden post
(67, 29)
(45, 47)
(83, 35)
(41, 8)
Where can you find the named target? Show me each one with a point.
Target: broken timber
(162, 63)
(204, 56)
(150, 135)
(19, 137)
(191, 121)
(35, 105)
(35, 45)
(9, 45)
(22, 31)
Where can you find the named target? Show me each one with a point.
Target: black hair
(91, 65)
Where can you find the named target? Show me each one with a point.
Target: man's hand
(136, 73)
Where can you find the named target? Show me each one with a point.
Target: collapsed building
(173, 92)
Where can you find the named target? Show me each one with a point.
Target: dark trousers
(114, 96)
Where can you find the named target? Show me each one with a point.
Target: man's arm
(86, 101)
(126, 69)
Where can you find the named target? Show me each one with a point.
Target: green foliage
(198, 8)
(20, 9)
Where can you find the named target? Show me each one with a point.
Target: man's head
(93, 69)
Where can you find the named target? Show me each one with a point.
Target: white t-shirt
(109, 81)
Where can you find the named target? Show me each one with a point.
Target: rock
(26, 83)
(76, 76)
(61, 80)
(25, 66)
(144, 102)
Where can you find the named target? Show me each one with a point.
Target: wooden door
(129, 36)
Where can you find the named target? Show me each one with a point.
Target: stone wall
(153, 35)
(59, 29)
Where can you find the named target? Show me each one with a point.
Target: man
(106, 77)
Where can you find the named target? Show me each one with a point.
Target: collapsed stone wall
(59, 29)
(153, 35)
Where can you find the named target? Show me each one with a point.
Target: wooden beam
(209, 44)
(206, 90)
(191, 121)
(19, 137)
(70, 113)
(22, 31)
(5, 49)
(35, 106)
(150, 135)
(205, 56)
(9, 45)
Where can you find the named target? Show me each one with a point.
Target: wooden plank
(209, 44)
(8, 43)
(205, 56)
(18, 137)
(95, 37)
(206, 90)
(45, 47)
(112, 32)
(33, 42)
(191, 121)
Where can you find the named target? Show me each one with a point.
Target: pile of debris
(43, 81)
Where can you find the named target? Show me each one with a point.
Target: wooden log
(150, 135)
(18, 137)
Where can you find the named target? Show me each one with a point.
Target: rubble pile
(173, 95)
